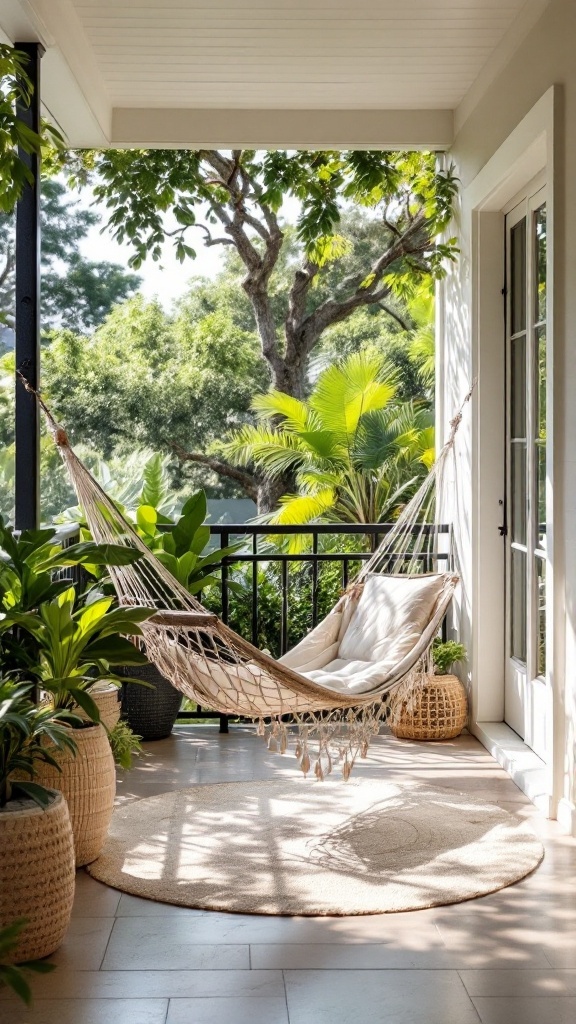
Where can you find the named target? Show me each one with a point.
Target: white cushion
(390, 618)
(350, 676)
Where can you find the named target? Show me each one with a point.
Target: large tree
(149, 379)
(235, 198)
(77, 293)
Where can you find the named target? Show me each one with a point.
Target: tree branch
(247, 481)
(395, 316)
(412, 242)
(208, 241)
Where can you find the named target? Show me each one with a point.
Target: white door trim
(526, 153)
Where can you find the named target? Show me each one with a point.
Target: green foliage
(240, 195)
(50, 636)
(31, 560)
(445, 654)
(162, 380)
(125, 744)
(68, 644)
(182, 545)
(24, 728)
(323, 182)
(15, 87)
(77, 294)
(14, 976)
(357, 455)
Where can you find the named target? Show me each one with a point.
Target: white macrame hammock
(333, 683)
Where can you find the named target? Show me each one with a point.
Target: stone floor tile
(85, 944)
(561, 957)
(520, 983)
(329, 956)
(378, 997)
(92, 898)
(386, 956)
(511, 1010)
(239, 1010)
(168, 943)
(136, 906)
(405, 931)
(199, 984)
(93, 1011)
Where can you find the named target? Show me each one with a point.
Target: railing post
(27, 329)
(225, 609)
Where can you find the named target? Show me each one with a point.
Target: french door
(528, 698)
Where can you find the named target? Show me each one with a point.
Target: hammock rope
(211, 664)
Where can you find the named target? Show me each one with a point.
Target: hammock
(377, 638)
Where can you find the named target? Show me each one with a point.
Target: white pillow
(390, 617)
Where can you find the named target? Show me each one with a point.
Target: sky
(166, 280)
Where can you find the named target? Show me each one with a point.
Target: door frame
(528, 152)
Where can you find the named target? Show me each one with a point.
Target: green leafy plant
(68, 644)
(16, 87)
(13, 975)
(51, 636)
(30, 565)
(25, 729)
(445, 654)
(125, 744)
(181, 545)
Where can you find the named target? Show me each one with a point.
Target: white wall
(493, 143)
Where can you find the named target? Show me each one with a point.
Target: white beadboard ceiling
(128, 57)
(400, 54)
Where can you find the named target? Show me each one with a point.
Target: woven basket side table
(435, 710)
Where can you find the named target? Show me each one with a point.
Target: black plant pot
(150, 713)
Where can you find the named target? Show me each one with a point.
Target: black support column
(27, 476)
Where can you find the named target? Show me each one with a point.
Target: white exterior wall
(524, 123)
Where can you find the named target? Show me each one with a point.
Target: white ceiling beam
(282, 129)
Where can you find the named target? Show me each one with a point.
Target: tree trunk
(270, 492)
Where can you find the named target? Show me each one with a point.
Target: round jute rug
(291, 847)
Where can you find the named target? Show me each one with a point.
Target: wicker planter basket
(88, 781)
(37, 875)
(108, 701)
(436, 710)
(150, 713)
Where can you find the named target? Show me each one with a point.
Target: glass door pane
(527, 694)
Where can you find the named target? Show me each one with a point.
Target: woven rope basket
(435, 710)
(88, 781)
(37, 875)
(108, 702)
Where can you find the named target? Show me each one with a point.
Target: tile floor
(508, 958)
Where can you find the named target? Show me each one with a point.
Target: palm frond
(274, 451)
(346, 391)
(295, 413)
(303, 508)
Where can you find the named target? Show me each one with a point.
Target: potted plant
(66, 644)
(182, 545)
(181, 542)
(437, 708)
(37, 870)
